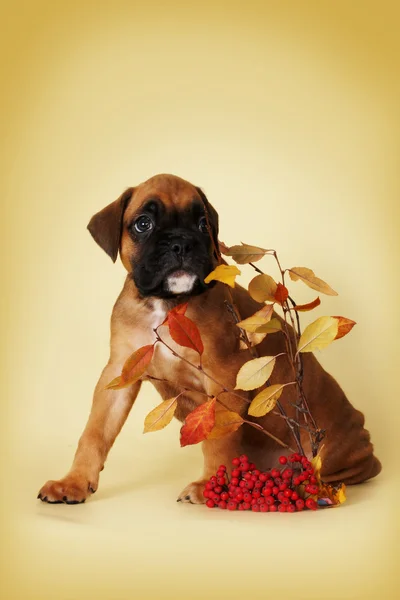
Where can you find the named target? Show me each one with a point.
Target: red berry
(311, 504)
(288, 493)
(231, 505)
(295, 496)
(296, 481)
(236, 462)
(247, 476)
(263, 477)
(218, 489)
(291, 508)
(308, 488)
(300, 504)
(242, 483)
(258, 484)
(287, 473)
(222, 468)
(239, 497)
(206, 493)
(256, 493)
(278, 481)
(234, 481)
(244, 466)
(236, 473)
(313, 479)
(281, 496)
(294, 458)
(255, 508)
(252, 466)
(273, 508)
(249, 485)
(256, 472)
(275, 490)
(221, 481)
(261, 500)
(244, 458)
(254, 478)
(269, 500)
(216, 498)
(282, 508)
(313, 489)
(267, 491)
(264, 507)
(270, 483)
(283, 460)
(241, 506)
(209, 485)
(275, 473)
(282, 487)
(246, 505)
(210, 503)
(213, 479)
(247, 497)
(224, 496)
(222, 504)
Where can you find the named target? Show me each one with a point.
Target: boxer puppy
(166, 233)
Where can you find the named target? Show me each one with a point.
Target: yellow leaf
(118, 384)
(266, 400)
(309, 278)
(261, 317)
(160, 416)
(255, 373)
(226, 421)
(318, 334)
(255, 338)
(331, 495)
(224, 273)
(245, 253)
(263, 288)
(273, 326)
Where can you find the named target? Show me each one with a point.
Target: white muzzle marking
(181, 282)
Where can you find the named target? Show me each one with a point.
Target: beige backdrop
(287, 115)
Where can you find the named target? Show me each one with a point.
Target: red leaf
(184, 332)
(137, 364)
(309, 306)
(181, 308)
(198, 424)
(281, 293)
(345, 326)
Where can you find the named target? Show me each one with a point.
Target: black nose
(180, 248)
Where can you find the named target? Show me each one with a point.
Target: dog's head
(166, 232)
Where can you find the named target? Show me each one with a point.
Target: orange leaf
(226, 421)
(309, 306)
(344, 327)
(198, 424)
(137, 364)
(184, 332)
(281, 293)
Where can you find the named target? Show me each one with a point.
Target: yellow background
(287, 114)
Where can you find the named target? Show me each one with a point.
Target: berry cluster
(268, 491)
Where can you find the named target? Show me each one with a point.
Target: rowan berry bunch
(292, 488)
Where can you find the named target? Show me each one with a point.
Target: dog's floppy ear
(106, 225)
(212, 218)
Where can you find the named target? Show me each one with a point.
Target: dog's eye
(143, 223)
(203, 225)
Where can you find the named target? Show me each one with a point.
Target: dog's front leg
(110, 409)
(218, 451)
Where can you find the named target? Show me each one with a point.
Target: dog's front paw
(72, 489)
(193, 492)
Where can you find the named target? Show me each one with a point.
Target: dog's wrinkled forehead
(165, 195)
